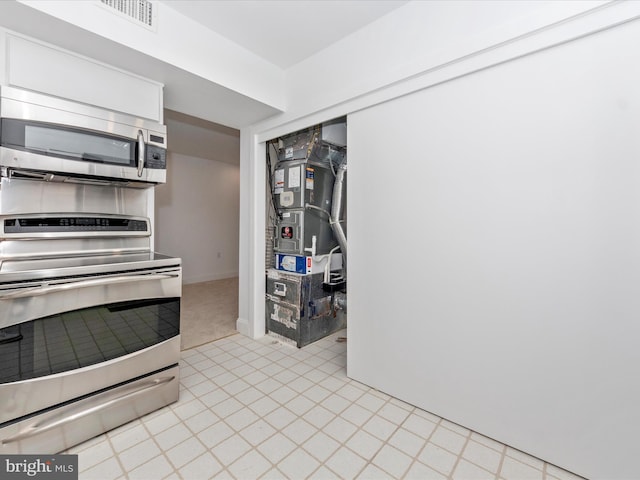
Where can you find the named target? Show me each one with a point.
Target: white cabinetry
(30, 64)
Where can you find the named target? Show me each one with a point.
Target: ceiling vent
(139, 11)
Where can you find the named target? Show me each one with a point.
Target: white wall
(390, 58)
(431, 40)
(493, 278)
(197, 214)
(390, 348)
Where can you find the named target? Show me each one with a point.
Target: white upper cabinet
(44, 68)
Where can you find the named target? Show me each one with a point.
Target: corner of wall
(242, 326)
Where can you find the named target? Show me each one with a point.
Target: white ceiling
(284, 32)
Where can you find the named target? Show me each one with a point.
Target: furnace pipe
(336, 208)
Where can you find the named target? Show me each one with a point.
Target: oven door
(79, 352)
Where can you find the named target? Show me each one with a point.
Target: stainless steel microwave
(53, 139)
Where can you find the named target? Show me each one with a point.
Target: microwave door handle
(46, 289)
(141, 152)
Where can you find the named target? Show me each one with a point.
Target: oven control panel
(63, 225)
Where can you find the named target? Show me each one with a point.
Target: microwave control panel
(155, 157)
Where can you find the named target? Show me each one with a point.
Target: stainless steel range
(89, 313)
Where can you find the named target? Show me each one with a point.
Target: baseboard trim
(242, 326)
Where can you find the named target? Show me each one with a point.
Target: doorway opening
(306, 244)
(197, 219)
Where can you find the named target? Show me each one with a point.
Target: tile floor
(261, 409)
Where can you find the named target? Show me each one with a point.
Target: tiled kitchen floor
(261, 409)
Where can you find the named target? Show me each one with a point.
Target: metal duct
(336, 208)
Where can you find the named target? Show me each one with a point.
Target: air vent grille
(139, 10)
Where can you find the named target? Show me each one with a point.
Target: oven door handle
(46, 289)
(87, 407)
